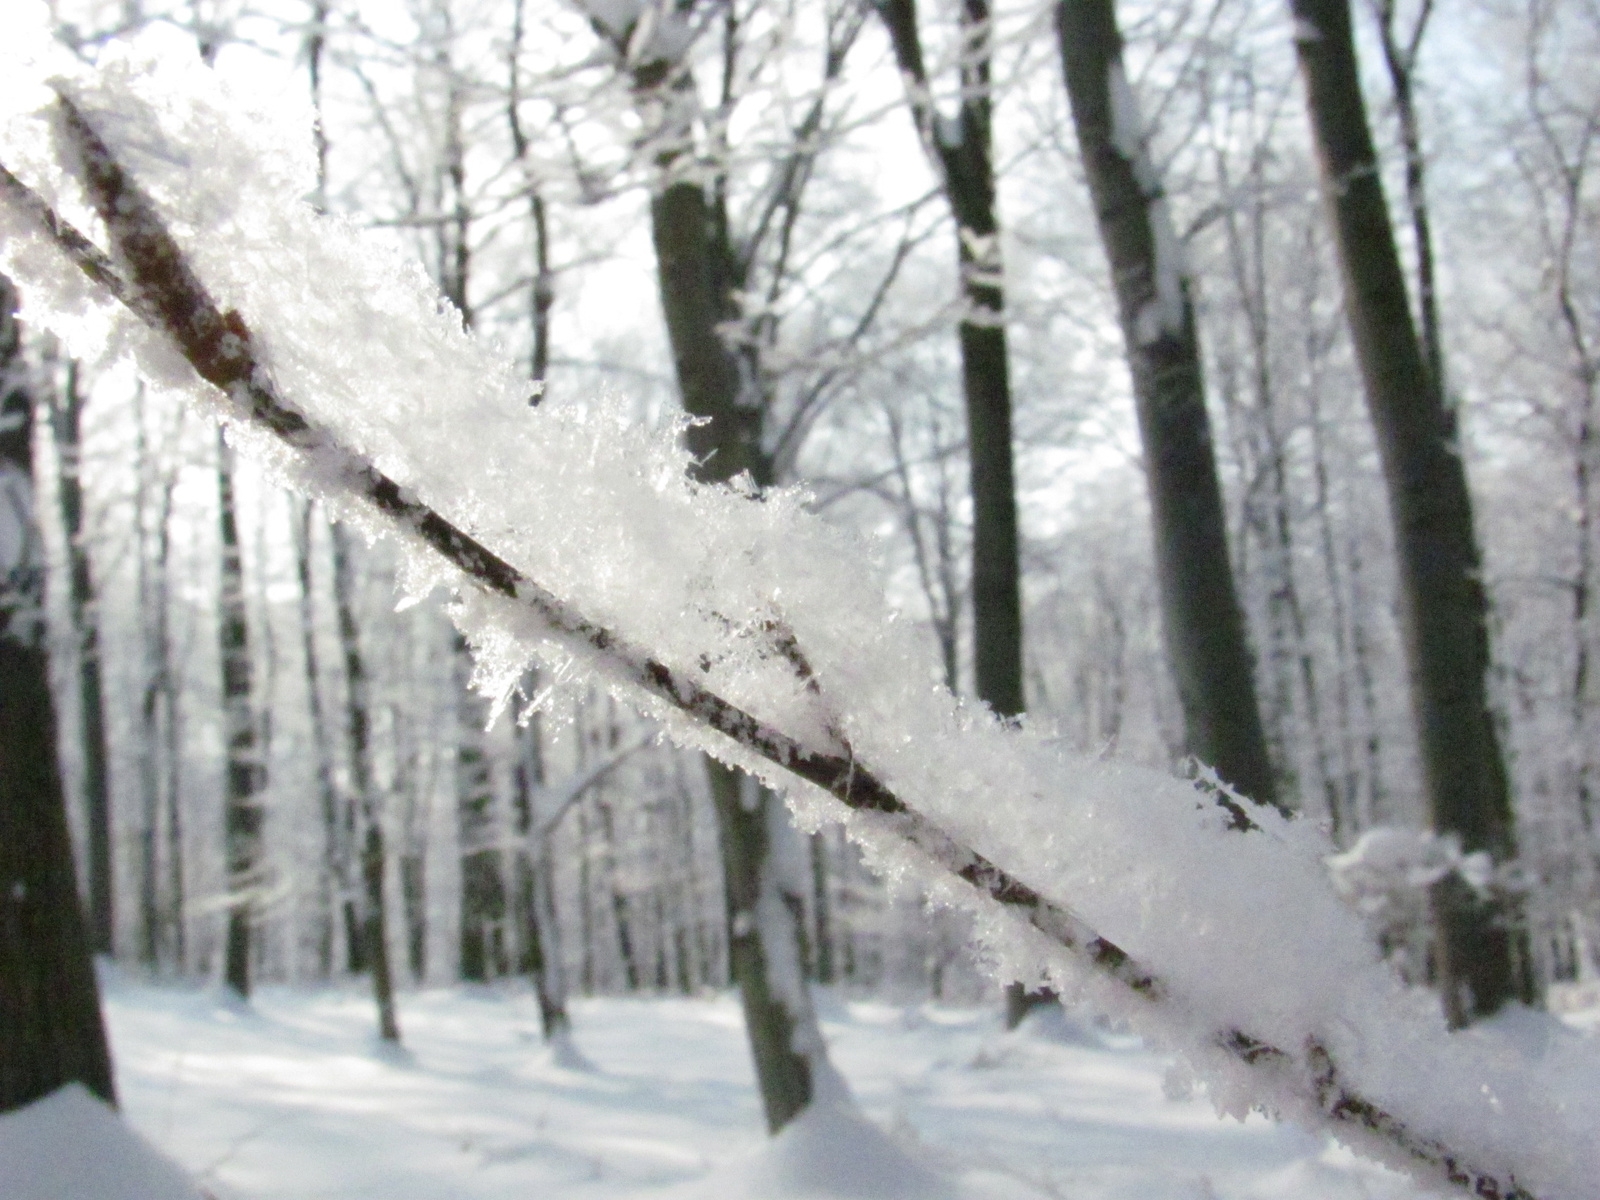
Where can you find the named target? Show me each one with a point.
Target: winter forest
(1126, 474)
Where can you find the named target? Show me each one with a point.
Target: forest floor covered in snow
(293, 1097)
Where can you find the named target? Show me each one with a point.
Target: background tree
(65, 402)
(49, 1001)
(1444, 609)
(1204, 624)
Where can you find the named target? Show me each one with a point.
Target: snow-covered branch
(744, 627)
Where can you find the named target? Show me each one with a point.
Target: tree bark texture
(50, 1026)
(1481, 959)
(66, 410)
(242, 815)
(1204, 623)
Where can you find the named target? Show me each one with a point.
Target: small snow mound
(1046, 1025)
(72, 1144)
(395, 1054)
(1053, 1023)
(564, 1053)
(829, 1152)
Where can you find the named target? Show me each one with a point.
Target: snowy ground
(292, 1098)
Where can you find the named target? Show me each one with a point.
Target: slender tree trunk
(823, 970)
(50, 1027)
(617, 900)
(333, 879)
(1401, 62)
(242, 815)
(358, 737)
(160, 908)
(148, 736)
(541, 296)
(177, 890)
(483, 898)
(1204, 623)
(962, 153)
(538, 945)
(66, 410)
(1481, 954)
(413, 895)
(764, 915)
(697, 270)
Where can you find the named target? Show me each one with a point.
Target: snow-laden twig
(148, 272)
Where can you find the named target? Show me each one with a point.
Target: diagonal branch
(149, 273)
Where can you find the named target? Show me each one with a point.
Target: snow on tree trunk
(539, 954)
(696, 271)
(766, 915)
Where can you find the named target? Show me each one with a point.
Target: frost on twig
(148, 272)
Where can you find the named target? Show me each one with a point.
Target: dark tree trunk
(160, 927)
(1204, 624)
(538, 948)
(541, 295)
(966, 167)
(698, 269)
(358, 709)
(965, 164)
(242, 816)
(413, 898)
(1481, 959)
(483, 893)
(822, 968)
(50, 1027)
(763, 922)
(66, 410)
(333, 879)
